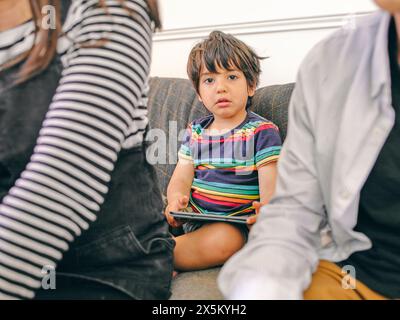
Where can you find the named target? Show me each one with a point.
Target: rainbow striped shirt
(226, 166)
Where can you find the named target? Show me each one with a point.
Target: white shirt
(339, 118)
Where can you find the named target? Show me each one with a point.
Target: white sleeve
(281, 254)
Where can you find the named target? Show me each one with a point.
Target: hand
(176, 205)
(252, 220)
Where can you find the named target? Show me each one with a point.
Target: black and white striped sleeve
(63, 186)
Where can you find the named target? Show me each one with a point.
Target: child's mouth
(222, 103)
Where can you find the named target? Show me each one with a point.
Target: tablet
(210, 217)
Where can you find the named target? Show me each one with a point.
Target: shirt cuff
(260, 288)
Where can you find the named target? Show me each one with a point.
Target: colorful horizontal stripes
(226, 176)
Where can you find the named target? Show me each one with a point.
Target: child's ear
(251, 91)
(198, 97)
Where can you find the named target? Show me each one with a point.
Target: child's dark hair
(224, 51)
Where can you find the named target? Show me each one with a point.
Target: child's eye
(232, 77)
(208, 80)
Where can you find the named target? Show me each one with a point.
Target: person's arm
(178, 191)
(267, 147)
(281, 255)
(266, 183)
(96, 105)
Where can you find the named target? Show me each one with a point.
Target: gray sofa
(172, 105)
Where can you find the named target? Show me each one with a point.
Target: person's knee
(222, 242)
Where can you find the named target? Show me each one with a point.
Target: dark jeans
(80, 289)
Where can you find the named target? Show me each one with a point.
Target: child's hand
(176, 205)
(252, 220)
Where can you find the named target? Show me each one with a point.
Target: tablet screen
(209, 217)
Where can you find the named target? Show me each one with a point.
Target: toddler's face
(225, 92)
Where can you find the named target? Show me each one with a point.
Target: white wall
(283, 30)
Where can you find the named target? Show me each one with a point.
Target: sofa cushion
(173, 104)
(196, 285)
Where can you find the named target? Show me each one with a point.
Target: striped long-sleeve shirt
(98, 109)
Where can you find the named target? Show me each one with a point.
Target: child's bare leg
(211, 245)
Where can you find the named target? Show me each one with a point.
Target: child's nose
(221, 87)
